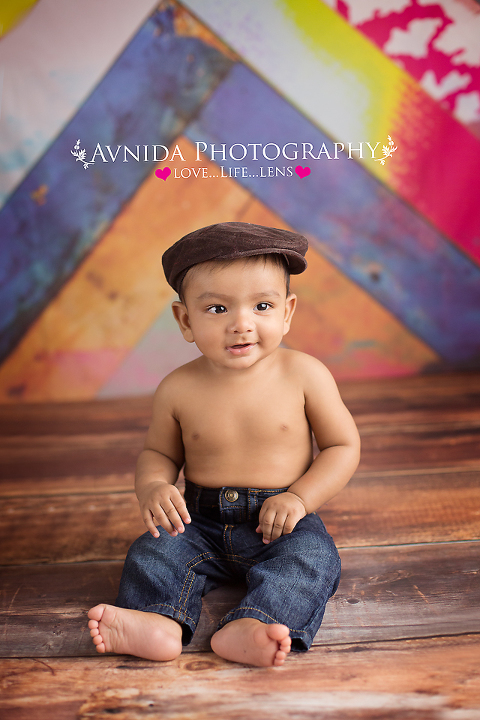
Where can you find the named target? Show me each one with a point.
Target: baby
(240, 420)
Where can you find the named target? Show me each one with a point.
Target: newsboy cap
(231, 241)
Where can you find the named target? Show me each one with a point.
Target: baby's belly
(248, 469)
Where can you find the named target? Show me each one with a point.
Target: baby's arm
(339, 444)
(158, 465)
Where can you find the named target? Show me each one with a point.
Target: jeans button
(231, 495)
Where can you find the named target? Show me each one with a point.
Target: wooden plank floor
(399, 640)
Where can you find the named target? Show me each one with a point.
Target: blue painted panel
(61, 209)
(351, 218)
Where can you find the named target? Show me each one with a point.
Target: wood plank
(442, 391)
(73, 485)
(378, 509)
(76, 418)
(54, 455)
(68, 485)
(68, 528)
(417, 446)
(431, 679)
(385, 594)
(405, 507)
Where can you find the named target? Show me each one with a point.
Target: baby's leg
(289, 585)
(160, 597)
(248, 640)
(133, 632)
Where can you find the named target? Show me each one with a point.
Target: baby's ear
(180, 313)
(290, 306)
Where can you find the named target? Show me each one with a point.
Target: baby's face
(237, 314)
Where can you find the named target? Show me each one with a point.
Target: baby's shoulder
(310, 375)
(177, 383)
(305, 366)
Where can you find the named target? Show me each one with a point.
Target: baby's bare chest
(264, 415)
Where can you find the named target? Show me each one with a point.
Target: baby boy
(239, 419)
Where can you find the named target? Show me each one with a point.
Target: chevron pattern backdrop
(393, 284)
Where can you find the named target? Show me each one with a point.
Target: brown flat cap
(229, 241)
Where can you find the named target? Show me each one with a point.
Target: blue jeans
(289, 580)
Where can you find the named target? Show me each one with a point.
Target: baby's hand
(162, 504)
(279, 515)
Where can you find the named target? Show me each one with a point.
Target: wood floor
(399, 640)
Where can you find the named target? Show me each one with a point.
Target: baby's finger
(148, 519)
(181, 508)
(278, 525)
(172, 514)
(267, 525)
(162, 519)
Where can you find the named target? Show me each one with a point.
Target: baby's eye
(217, 309)
(262, 306)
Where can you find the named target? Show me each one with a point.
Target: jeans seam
(190, 573)
(179, 612)
(235, 558)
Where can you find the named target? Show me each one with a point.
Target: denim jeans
(289, 580)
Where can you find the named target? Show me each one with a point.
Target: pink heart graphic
(163, 173)
(301, 171)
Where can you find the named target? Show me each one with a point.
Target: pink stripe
(437, 168)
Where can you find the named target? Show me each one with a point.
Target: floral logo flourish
(80, 154)
(388, 151)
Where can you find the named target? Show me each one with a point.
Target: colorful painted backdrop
(125, 125)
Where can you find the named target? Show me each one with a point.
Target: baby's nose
(242, 321)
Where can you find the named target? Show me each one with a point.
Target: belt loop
(198, 491)
(252, 502)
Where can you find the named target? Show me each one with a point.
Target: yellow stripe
(12, 12)
(360, 69)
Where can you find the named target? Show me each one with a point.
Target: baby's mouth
(240, 348)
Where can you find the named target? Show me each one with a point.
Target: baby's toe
(96, 613)
(279, 658)
(278, 632)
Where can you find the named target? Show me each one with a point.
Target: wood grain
(405, 507)
(431, 679)
(68, 528)
(76, 418)
(57, 456)
(384, 594)
(420, 445)
(113, 482)
(440, 392)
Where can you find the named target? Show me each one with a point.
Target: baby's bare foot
(131, 632)
(251, 641)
